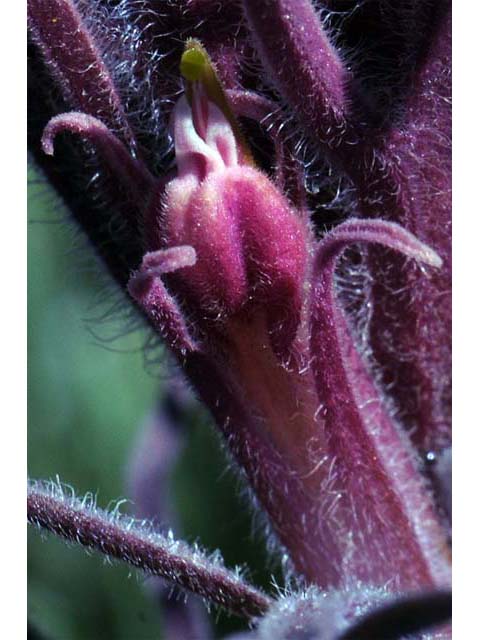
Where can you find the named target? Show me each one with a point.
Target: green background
(87, 398)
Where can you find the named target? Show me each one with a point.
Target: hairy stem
(291, 30)
(74, 58)
(51, 508)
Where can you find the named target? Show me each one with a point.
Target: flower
(328, 412)
(241, 242)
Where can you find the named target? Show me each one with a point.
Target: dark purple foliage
(284, 226)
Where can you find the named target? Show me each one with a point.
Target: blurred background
(88, 397)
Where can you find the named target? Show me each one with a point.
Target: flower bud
(251, 246)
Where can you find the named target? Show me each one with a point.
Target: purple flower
(323, 356)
